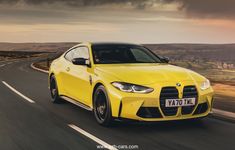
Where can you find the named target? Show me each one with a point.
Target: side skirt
(76, 103)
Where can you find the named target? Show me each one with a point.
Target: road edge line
(2, 65)
(92, 137)
(18, 93)
(38, 69)
(223, 114)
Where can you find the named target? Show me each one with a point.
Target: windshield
(115, 54)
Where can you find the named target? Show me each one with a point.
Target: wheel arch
(49, 79)
(50, 75)
(108, 116)
(94, 89)
(60, 90)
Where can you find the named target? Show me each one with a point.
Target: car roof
(112, 43)
(103, 43)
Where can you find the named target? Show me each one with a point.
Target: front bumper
(148, 107)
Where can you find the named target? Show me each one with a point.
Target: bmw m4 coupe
(128, 81)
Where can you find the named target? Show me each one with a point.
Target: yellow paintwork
(76, 84)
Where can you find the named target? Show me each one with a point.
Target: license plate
(180, 102)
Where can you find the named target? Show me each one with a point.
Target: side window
(69, 55)
(79, 52)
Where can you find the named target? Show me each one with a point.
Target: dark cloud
(207, 8)
(75, 3)
(193, 8)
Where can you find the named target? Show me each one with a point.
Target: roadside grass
(43, 65)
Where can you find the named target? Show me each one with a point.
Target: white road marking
(92, 137)
(2, 65)
(224, 113)
(38, 69)
(6, 63)
(18, 93)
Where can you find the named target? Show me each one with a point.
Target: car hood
(146, 74)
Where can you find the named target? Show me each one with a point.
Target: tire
(102, 108)
(55, 97)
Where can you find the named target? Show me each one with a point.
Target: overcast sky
(138, 21)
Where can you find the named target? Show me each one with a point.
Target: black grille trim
(149, 112)
(201, 108)
(189, 92)
(168, 93)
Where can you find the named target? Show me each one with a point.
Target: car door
(77, 78)
(64, 76)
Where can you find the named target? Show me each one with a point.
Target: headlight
(205, 85)
(131, 88)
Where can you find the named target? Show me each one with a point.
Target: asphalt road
(44, 126)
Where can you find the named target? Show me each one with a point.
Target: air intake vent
(189, 92)
(168, 93)
(149, 112)
(201, 108)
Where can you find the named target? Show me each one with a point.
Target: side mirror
(81, 61)
(165, 59)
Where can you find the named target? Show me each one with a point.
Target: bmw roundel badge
(178, 84)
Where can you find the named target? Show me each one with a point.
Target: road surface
(42, 125)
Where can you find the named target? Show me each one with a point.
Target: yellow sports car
(128, 81)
